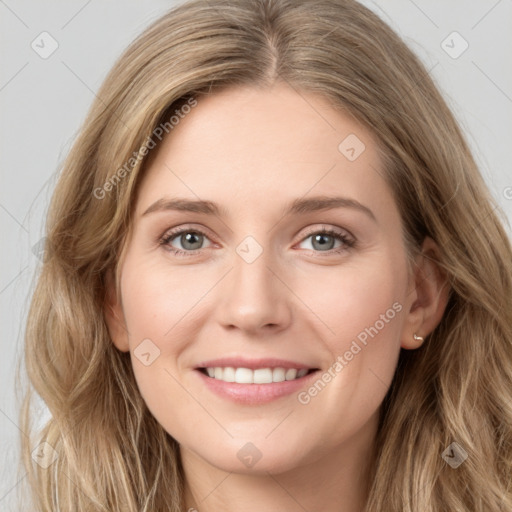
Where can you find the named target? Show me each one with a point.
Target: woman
(342, 320)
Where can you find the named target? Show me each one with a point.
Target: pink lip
(254, 394)
(252, 364)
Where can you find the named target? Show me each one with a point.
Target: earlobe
(114, 316)
(431, 295)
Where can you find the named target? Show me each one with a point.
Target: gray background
(44, 101)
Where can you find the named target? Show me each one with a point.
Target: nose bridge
(253, 296)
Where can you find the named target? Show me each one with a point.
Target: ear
(430, 295)
(114, 315)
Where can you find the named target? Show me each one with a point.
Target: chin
(244, 457)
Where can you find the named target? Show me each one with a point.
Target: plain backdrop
(44, 102)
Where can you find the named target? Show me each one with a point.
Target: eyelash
(347, 242)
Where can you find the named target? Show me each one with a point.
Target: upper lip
(253, 364)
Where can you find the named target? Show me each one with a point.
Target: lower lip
(253, 394)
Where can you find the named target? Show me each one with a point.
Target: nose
(254, 298)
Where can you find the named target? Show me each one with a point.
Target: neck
(336, 481)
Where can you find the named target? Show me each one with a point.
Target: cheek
(157, 300)
(359, 301)
(370, 310)
(361, 310)
(158, 306)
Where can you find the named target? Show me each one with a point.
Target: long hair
(112, 455)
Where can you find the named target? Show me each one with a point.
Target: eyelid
(325, 228)
(188, 227)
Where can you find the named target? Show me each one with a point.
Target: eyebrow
(298, 206)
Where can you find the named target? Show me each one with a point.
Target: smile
(254, 381)
(256, 376)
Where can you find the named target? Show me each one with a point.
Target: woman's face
(290, 258)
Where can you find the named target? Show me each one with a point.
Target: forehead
(264, 145)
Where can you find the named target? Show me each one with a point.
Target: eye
(324, 240)
(191, 241)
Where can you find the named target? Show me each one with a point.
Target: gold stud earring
(418, 338)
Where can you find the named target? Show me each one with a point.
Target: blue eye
(324, 240)
(191, 241)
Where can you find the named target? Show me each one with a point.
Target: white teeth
(258, 376)
(278, 375)
(229, 374)
(242, 375)
(291, 374)
(262, 376)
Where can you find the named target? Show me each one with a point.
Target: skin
(253, 151)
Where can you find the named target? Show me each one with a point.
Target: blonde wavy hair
(112, 453)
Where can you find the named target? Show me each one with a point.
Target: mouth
(254, 381)
(242, 375)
